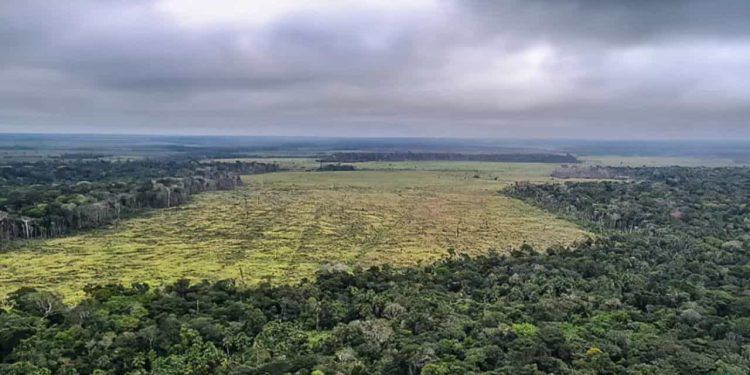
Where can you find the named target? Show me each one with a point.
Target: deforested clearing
(283, 227)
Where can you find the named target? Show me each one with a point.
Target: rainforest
(412, 267)
(374, 187)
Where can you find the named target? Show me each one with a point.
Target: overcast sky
(473, 68)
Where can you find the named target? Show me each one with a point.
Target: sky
(587, 69)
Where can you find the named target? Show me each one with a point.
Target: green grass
(504, 171)
(509, 171)
(283, 227)
(658, 161)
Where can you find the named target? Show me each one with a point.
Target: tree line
(358, 157)
(703, 201)
(667, 298)
(589, 172)
(52, 198)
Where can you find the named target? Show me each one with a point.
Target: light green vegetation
(521, 170)
(507, 172)
(504, 171)
(282, 227)
(658, 161)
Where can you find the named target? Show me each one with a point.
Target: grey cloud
(458, 68)
(616, 21)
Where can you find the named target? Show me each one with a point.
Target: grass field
(282, 227)
(659, 161)
(521, 170)
(504, 171)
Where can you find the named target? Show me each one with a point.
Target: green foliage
(51, 198)
(525, 329)
(667, 300)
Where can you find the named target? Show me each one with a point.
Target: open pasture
(508, 172)
(660, 161)
(282, 227)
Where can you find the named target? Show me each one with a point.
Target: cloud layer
(474, 68)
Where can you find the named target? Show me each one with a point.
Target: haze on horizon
(432, 68)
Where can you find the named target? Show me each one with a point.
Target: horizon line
(203, 135)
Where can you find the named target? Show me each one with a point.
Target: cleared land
(523, 170)
(508, 172)
(282, 227)
(659, 161)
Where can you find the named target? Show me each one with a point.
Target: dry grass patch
(282, 227)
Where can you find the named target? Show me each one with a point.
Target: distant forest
(662, 289)
(357, 157)
(203, 147)
(54, 197)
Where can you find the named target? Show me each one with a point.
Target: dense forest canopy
(706, 202)
(663, 289)
(54, 197)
